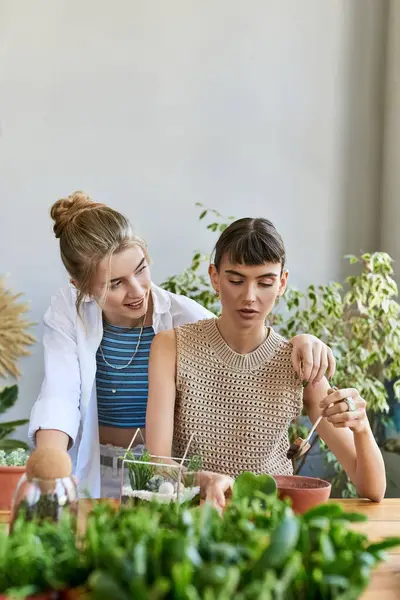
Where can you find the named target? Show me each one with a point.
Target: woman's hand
(345, 408)
(216, 488)
(311, 358)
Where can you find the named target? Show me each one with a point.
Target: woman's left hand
(345, 408)
(311, 358)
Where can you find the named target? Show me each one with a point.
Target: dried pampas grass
(13, 331)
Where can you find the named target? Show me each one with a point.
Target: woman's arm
(55, 416)
(160, 414)
(161, 397)
(52, 438)
(348, 435)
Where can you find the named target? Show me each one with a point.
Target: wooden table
(383, 521)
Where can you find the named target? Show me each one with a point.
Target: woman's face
(248, 292)
(128, 277)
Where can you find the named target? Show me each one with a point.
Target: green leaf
(248, 483)
(8, 397)
(386, 544)
(14, 424)
(12, 445)
(351, 258)
(353, 517)
(283, 541)
(104, 587)
(324, 510)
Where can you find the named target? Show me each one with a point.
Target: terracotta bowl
(304, 492)
(9, 478)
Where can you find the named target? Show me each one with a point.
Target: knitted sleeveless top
(239, 406)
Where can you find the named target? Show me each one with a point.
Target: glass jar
(44, 499)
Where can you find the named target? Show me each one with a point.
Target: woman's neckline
(235, 360)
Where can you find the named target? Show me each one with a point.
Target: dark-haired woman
(231, 383)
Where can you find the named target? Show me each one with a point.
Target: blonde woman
(97, 338)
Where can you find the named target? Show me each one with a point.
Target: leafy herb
(46, 507)
(140, 472)
(258, 549)
(15, 458)
(8, 397)
(195, 463)
(248, 484)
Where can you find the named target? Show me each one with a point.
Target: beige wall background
(277, 108)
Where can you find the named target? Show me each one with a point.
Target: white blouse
(67, 399)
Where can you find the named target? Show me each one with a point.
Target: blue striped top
(122, 394)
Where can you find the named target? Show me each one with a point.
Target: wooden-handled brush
(300, 446)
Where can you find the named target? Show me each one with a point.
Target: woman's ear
(214, 277)
(283, 282)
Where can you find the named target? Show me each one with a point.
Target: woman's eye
(266, 285)
(236, 282)
(142, 268)
(115, 285)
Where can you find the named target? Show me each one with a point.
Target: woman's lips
(247, 313)
(135, 305)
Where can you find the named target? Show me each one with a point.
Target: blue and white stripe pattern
(122, 394)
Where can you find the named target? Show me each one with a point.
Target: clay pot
(9, 478)
(304, 492)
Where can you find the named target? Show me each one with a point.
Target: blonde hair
(89, 232)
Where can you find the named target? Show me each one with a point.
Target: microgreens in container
(150, 478)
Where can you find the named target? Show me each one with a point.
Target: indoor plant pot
(9, 478)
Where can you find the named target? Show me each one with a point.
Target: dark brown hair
(250, 242)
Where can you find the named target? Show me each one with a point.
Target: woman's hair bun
(66, 209)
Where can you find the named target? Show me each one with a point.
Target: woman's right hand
(216, 488)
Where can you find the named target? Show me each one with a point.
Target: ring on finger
(351, 405)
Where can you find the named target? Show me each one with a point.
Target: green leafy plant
(140, 472)
(195, 463)
(8, 397)
(36, 557)
(15, 458)
(257, 550)
(247, 485)
(360, 321)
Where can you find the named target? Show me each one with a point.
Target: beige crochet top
(239, 406)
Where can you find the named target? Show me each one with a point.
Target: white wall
(153, 105)
(390, 223)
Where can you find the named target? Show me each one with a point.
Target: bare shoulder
(164, 342)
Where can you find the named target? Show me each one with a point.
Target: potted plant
(257, 549)
(12, 467)
(13, 454)
(360, 321)
(147, 478)
(38, 560)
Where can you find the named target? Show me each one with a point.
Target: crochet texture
(239, 406)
